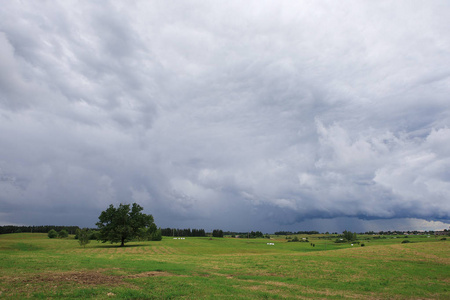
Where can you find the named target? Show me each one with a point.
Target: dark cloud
(288, 115)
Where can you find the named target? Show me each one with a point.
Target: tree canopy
(349, 236)
(217, 233)
(122, 224)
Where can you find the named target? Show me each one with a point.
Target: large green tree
(122, 224)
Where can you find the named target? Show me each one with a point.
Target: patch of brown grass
(289, 291)
(82, 278)
(162, 250)
(153, 274)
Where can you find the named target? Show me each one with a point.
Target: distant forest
(298, 232)
(37, 229)
(176, 232)
(182, 232)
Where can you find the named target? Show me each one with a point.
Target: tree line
(217, 233)
(37, 229)
(298, 232)
(399, 232)
(183, 232)
(248, 234)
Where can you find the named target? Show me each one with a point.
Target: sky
(263, 115)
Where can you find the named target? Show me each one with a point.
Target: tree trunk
(123, 242)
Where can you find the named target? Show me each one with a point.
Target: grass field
(34, 266)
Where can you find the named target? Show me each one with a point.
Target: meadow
(34, 266)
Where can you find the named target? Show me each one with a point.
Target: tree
(349, 236)
(94, 235)
(63, 234)
(83, 236)
(122, 224)
(217, 233)
(52, 234)
(156, 235)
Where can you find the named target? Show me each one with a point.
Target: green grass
(34, 266)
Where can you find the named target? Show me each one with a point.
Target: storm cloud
(257, 116)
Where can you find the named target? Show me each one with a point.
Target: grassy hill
(32, 265)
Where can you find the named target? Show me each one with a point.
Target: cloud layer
(266, 116)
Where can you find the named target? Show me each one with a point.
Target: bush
(156, 236)
(94, 235)
(362, 245)
(63, 234)
(406, 241)
(52, 234)
(83, 236)
(443, 239)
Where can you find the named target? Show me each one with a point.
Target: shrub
(156, 236)
(94, 235)
(52, 234)
(83, 236)
(443, 239)
(362, 245)
(63, 234)
(405, 241)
